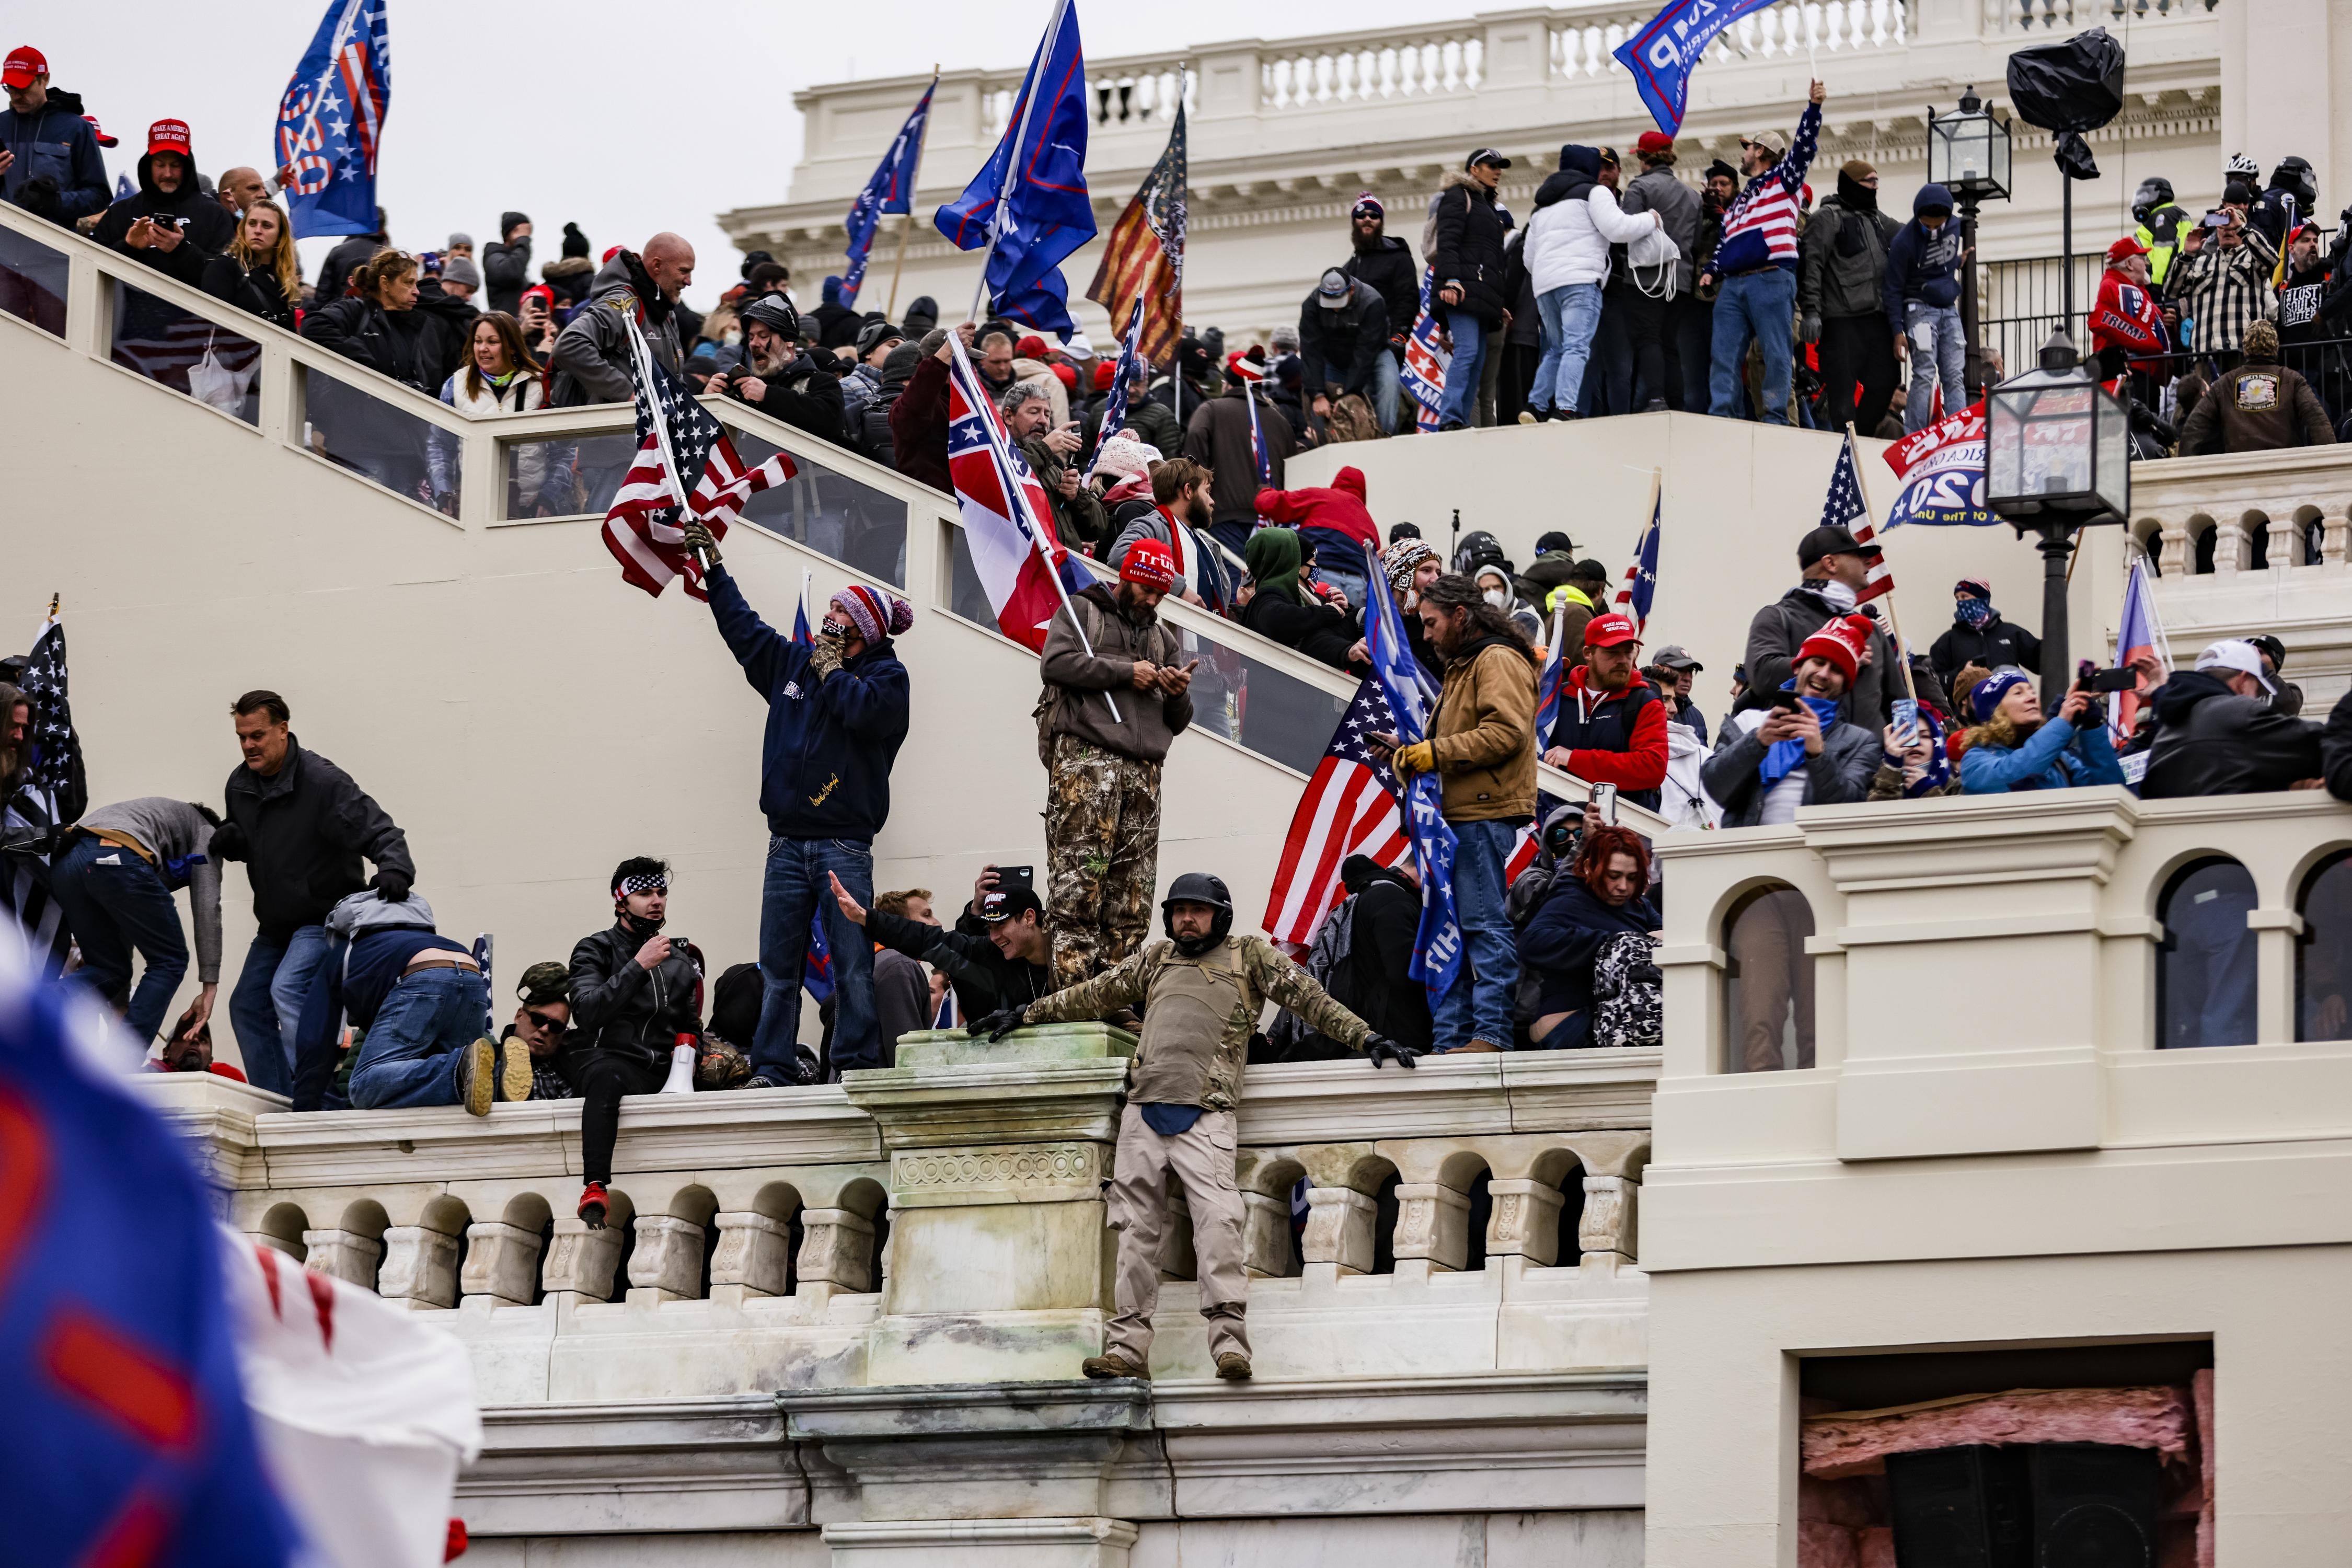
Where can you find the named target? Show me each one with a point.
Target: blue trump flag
(1437, 945)
(331, 121)
(891, 190)
(816, 973)
(1662, 56)
(1641, 588)
(127, 1439)
(1028, 205)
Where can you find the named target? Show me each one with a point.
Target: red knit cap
(1840, 642)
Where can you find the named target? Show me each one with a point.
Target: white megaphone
(681, 1066)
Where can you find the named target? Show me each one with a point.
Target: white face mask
(1496, 597)
(1840, 596)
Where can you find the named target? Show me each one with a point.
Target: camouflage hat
(544, 983)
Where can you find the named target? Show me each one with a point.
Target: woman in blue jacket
(1598, 900)
(2013, 748)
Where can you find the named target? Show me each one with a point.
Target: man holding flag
(837, 713)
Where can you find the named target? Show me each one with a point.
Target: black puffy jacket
(618, 1004)
(1389, 267)
(403, 344)
(1466, 248)
(2210, 741)
(302, 833)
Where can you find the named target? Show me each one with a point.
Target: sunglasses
(541, 1021)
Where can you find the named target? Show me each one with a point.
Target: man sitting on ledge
(1201, 990)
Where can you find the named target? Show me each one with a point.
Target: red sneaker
(592, 1204)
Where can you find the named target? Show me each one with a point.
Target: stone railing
(1584, 44)
(2217, 516)
(2067, 16)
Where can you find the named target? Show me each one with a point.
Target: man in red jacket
(1335, 521)
(1612, 726)
(918, 420)
(2125, 323)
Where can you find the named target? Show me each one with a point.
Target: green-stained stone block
(1041, 1043)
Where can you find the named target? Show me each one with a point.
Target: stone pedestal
(998, 1153)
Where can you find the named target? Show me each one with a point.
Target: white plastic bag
(214, 383)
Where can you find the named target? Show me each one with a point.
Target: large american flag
(642, 530)
(1845, 508)
(52, 797)
(1350, 809)
(1144, 256)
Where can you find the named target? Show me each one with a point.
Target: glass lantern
(2058, 444)
(1968, 151)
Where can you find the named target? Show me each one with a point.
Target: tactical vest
(1186, 1020)
(1611, 729)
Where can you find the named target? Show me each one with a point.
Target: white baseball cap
(2231, 653)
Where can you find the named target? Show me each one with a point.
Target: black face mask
(644, 930)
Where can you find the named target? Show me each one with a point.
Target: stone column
(1526, 1222)
(667, 1263)
(1432, 1224)
(420, 1266)
(342, 1254)
(1339, 1237)
(754, 1252)
(998, 1153)
(502, 1263)
(1265, 1234)
(1605, 1230)
(580, 1260)
(836, 1251)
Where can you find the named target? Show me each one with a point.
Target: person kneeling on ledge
(1200, 991)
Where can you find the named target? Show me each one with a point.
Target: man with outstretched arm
(1201, 992)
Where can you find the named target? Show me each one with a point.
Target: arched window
(2323, 956)
(1767, 983)
(2205, 968)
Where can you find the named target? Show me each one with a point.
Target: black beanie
(574, 242)
(508, 221)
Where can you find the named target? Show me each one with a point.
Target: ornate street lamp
(2057, 459)
(1967, 153)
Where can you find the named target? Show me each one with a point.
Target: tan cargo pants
(1201, 1158)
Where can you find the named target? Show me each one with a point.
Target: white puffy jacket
(1568, 242)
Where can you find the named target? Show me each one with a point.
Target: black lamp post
(1967, 153)
(2057, 459)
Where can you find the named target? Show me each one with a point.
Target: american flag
(1845, 508)
(1144, 256)
(1122, 376)
(52, 797)
(1553, 675)
(676, 434)
(1640, 589)
(1349, 807)
(1424, 369)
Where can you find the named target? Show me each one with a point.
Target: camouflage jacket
(1199, 1014)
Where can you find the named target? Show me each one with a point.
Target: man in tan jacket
(1482, 746)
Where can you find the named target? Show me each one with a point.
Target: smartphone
(1786, 701)
(2107, 680)
(2216, 219)
(1604, 803)
(1907, 720)
(1010, 877)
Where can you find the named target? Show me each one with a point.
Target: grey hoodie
(176, 834)
(592, 352)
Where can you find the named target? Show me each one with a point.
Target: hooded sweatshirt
(55, 143)
(1333, 520)
(592, 352)
(206, 227)
(1576, 220)
(1923, 266)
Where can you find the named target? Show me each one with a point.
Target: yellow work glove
(1417, 758)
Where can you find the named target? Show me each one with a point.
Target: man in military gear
(1201, 992)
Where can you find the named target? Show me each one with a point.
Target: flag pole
(644, 358)
(1894, 621)
(1013, 169)
(334, 54)
(914, 178)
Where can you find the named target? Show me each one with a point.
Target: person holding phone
(1799, 749)
(168, 222)
(1118, 693)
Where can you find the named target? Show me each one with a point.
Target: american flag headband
(643, 884)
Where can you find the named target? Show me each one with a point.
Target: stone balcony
(878, 1254)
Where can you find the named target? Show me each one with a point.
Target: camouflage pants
(1102, 854)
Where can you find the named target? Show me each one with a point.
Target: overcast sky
(625, 118)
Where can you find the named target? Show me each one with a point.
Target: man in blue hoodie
(837, 713)
(1923, 305)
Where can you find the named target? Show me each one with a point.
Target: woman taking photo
(500, 376)
(259, 272)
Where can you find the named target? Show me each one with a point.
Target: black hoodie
(2211, 740)
(1388, 266)
(1579, 171)
(206, 227)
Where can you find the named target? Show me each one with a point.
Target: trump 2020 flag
(1438, 945)
(1029, 203)
(1941, 468)
(331, 121)
(1662, 56)
(1025, 575)
(1425, 362)
(891, 190)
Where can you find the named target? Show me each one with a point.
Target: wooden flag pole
(1894, 621)
(891, 310)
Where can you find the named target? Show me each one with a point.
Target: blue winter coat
(60, 146)
(2055, 756)
(824, 765)
(1921, 265)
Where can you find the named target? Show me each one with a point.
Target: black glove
(228, 843)
(998, 1024)
(391, 886)
(1380, 1050)
(38, 195)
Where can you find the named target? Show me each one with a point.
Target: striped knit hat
(875, 613)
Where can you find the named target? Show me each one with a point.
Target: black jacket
(447, 333)
(253, 290)
(618, 1004)
(1781, 627)
(1389, 268)
(1564, 937)
(983, 979)
(302, 834)
(1320, 631)
(335, 276)
(407, 345)
(1994, 644)
(1468, 249)
(801, 395)
(1373, 982)
(2335, 748)
(1353, 338)
(205, 227)
(2211, 740)
(506, 273)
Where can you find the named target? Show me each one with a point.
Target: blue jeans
(1571, 314)
(412, 1053)
(795, 889)
(1471, 337)
(1762, 306)
(1382, 395)
(115, 903)
(1479, 1004)
(1940, 352)
(267, 1002)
